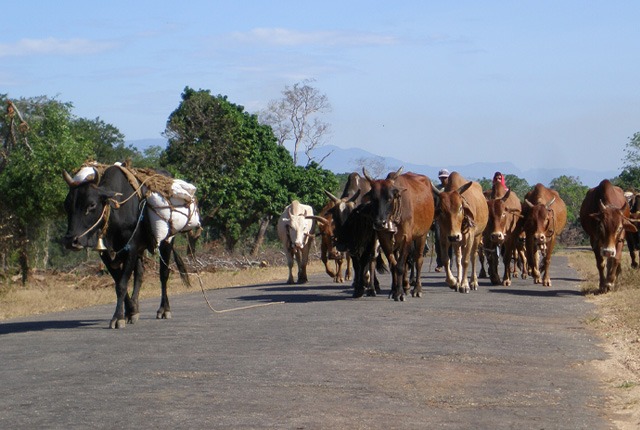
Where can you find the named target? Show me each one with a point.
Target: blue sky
(537, 83)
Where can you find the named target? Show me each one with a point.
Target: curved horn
(318, 218)
(366, 175)
(548, 205)
(355, 196)
(331, 196)
(67, 178)
(394, 175)
(603, 207)
(528, 203)
(506, 196)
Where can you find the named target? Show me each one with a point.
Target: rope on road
(197, 274)
(231, 309)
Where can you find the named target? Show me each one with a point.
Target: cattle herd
(393, 217)
(389, 217)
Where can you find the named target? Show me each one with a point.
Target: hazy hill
(343, 160)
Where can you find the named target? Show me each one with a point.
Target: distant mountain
(340, 160)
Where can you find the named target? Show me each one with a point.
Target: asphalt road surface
(497, 358)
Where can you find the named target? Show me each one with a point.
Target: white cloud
(53, 46)
(285, 37)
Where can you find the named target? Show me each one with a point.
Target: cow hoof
(117, 323)
(402, 298)
(357, 294)
(163, 315)
(371, 293)
(133, 318)
(506, 283)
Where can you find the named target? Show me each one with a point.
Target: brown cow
(462, 214)
(328, 250)
(403, 209)
(545, 216)
(501, 234)
(604, 216)
(633, 238)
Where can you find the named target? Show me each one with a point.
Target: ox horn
(331, 196)
(603, 207)
(394, 175)
(548, 205)
(355, 196)
(67, 178)
(318, 218)
(366, 175)
(528, 203)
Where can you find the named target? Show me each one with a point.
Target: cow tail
(182, 269)
(381, 266)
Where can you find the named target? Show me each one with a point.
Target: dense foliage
(243, 175)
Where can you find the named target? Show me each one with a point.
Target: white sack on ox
(175, 214)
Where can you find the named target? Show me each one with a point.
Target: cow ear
(465, 187)
(629, 227)
(106, 194)
(468, 216)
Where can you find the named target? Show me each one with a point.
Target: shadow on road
(536, 293)
(29, 326)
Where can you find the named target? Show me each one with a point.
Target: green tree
(31, 183)
(629, 178)
(572, 192)
(243, 176)
(107, 141)
(516, 184)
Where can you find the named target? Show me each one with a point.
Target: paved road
(498, 358)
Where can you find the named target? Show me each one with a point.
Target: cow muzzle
(608, 252)
(455, 238)
(72, 243)
(497, 238)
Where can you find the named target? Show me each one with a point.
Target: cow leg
(396, 287)
(132, 311)
(347, 271)
(482, 256)
(164, 311)
(358, 277)
(123, 274)
(546, 280)
(419, 260)
(339, 277)
(289, 253)
(446, 260)
(509, 254)
(302, 264)
(472, 259)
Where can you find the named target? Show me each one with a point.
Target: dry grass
(53, 292)
(618, 322)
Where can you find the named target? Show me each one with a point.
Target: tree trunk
(264, 224)
(47, 239)
(23, 258)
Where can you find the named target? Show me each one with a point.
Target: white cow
(295, 233)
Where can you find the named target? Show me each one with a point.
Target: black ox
(111, 208)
